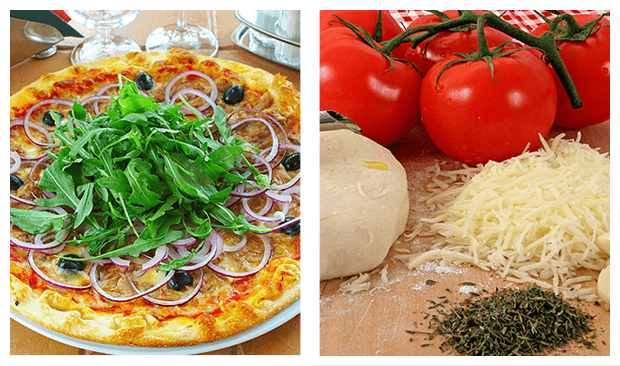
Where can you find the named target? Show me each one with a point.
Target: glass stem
(107, 46)
(182, 21)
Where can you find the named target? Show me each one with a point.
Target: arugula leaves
(142, 163)
(36, 222)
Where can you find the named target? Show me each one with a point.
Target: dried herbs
(513, 322)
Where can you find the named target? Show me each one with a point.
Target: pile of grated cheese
(536, 218)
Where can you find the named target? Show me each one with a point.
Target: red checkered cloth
(524, 19)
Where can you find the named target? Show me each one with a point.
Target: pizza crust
(85, 79)
(58, 312)
(269, 291)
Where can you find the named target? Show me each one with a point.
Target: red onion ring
(287, 185)
(38, 244)
(278, 197)
(38, 238)
(22, 200)
(184, 242)
(218, 241)
(199, 115)
(160, 253)
(204, 96)
(28, 123)
(275, 142)
(199, 261)
(295, 179)
(20, 122)
(58, 210)
(254, 215)
(120, 262)
(292, 190)
(266, 208)
(55, 250)
(95, 100)
(266, 257)
(17, 162)
(32, 246)
(181, 301)
(36, 165)
(168, 88)
(106, 87)
(266, 115)
(86, 254)
(95, 283)
(231, 201)
(206, 254)
(288, 145)
(237, 246)
(274, 121)
(49, 280)
(239, 191)
(286, 224)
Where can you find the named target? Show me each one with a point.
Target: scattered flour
(468, 289)
(436, 267)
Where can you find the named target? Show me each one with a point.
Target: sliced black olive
(144, 81)
(48, 120)
(233, 94)
(293, 229)
(179, 280)
(292, 162)
(16, 182)
(69, 265)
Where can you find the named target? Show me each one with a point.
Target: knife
(332, 120)
(47, 17)
(34, 31)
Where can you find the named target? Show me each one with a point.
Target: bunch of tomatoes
(483, 90)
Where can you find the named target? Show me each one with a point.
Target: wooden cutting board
(392, 319)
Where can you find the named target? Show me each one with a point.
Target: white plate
(275, 321)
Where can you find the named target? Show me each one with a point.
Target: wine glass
(183, 35)
(104, 43)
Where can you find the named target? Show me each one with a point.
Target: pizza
(155, 199)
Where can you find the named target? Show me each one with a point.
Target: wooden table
(284, 340)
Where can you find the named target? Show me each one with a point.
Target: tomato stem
(377, 35)
(428, 30)
(545, 43)
(571, 24)
(483, 44)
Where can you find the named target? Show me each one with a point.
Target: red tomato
(588, 64)
(354, 81)
(474, 119)
(366, 19)
(447, 43)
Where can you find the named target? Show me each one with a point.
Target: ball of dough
(364, 203)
